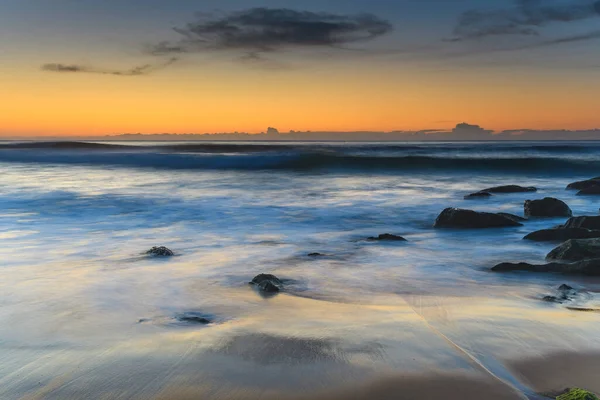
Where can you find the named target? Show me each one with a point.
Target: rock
(468, 219)
(160, 251)
(515, 218)
(267, 283)
(583, 222)
(510, 189)
(388, 237)
(547, 207)
(586, 267)
(564, 293)
(577, 394)
(576, 250)
(477, 195)
(590, 191)
(562, 234)
(581, 185)
(316, 255)
(193, 318)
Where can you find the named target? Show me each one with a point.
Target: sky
(91, 67)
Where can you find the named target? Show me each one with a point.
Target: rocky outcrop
(478, 195)
(562, 234)
(388, 237)
(576, 250)
(510, 189)
(547, 207)
(581, 185)
(591, 191)
(583, 222)
(468, 219)
(586, 267)
(160, 251)
(267, 283)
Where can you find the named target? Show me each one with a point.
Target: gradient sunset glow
(95, 68)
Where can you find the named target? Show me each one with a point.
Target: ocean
(84, 312)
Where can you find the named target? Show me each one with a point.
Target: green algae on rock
(577, 394)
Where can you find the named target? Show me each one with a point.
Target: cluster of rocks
(587, 187)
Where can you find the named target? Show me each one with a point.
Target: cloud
(524, 19)
(135, 71)
(265, 30)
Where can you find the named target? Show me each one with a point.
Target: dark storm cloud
(262, 30)
(135, 71)
(524, 19)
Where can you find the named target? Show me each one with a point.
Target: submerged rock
(583, 222)
(468, 219)
(478, 195)
(564, 293)
(316, 255)
(590, 191)
(562, 234)
(577, 394)
(547, 207)
(160, 251)
(510, 189)
(193, 318)
(581, 185)
(586, 267)
(388, 237)
(576, 250)
(267, 283)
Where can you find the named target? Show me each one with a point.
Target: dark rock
(583, 222)
(565, 287)
(576, 250)
(515, 218)
(547, 207)
(586, 267)
(590, 191)
(160, 251)
(388, 237)
(468, 219)
(193, 318)
(316, 255)
(562, 234)
(267, 283)
(510, 189)
(581, 185)
(477, 195)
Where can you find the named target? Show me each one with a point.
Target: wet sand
(289, 347)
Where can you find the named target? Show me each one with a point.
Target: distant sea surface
(83, 311)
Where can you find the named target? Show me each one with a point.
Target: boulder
(562, 234)
(267, 283)
(590, 191)
(468, 219)
(388, 237)
(477, 195)
(160, 251)
(583, 222)
(547, 207)
(586, 267)
(514, 217)
(577, 394)
(576, 250)
(510, 189)
(584, 184)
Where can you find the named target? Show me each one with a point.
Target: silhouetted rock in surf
(267, 283)
(468, 219)
(478, 195)
(547, 207)
(316, 255)
(587, 222)
(581, 185)
(576, 250)
(160, 251)
(564, 293)
(388, 237)
(586, 267)
(562, 234)
(510, 189)
(514, 217)
(590, 191)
